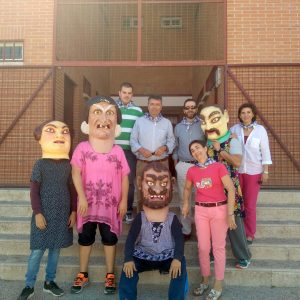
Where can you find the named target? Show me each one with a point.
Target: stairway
(276, 250)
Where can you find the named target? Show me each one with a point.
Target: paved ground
(10, 290)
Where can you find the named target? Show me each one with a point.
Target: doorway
(69, 87)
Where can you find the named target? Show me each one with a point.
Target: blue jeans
(34, 262)
(177, 287)
(131, 160)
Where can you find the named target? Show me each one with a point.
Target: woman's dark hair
(37, 133)
(248, 105)
(201, 142)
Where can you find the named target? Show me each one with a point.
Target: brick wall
(99, 80)
(263, 31)
(30, 21)
(275, 92)
(19, 150)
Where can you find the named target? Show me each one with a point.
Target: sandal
(201, 289)
(214, 295)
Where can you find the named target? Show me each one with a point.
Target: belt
(213, 204)
(150, 161)
(189, 161)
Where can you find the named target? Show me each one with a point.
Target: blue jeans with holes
(34, 262)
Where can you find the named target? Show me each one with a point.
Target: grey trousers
(181, 170)
(238, 241)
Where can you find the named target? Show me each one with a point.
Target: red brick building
(56, 53)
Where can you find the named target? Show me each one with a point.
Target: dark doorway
(69, 102)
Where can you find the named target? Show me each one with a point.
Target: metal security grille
(275, 90)
(198, 37)
(95, 31)
(139, 31)
(26, 101)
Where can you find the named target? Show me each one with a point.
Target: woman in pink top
(213, 213)
(100, 175)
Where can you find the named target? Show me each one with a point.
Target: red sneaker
(110, 284)
(79, 283)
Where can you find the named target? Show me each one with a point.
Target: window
(171, 22)
(130, 22)
(11, 51)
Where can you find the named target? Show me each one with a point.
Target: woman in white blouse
(256, 160)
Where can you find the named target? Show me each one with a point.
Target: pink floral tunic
(102, 182)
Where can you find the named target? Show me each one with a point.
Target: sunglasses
(189, 107)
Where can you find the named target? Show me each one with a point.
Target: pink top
(102, 182)
(208, 183)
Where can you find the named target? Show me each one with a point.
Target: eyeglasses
(189, 107)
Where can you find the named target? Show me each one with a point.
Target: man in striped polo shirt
(130, 112)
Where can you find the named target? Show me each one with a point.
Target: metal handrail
(25, 107)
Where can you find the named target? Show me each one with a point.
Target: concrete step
(278, 229)
(283, 197)
(12, 288)
(21, 225)
(265, 212)
(266, 196)
(260, 273)
(279, 212)
(265, 229)
(14, 194)
(15, 208)
(262, 249)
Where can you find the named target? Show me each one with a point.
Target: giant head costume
(214, 122)
(156, 185)
(54, 138)
(102, 119)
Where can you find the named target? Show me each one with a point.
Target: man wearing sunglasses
(186, 131)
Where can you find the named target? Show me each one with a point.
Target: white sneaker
(201, 289)
(214, 295)
(128, 217)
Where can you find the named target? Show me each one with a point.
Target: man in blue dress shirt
(152, 138)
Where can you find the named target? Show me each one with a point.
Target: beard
(157, 201)
(191, 115)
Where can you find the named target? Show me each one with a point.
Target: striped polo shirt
(129, 115)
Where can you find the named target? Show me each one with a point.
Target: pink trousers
(250, 188)
(211, 225)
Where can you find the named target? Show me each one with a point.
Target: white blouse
(256, 151)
